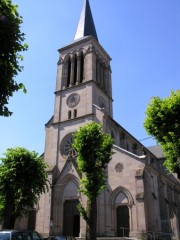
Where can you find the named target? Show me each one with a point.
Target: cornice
(174, 184)
(77, 44)
(73, 119)
(82, 84)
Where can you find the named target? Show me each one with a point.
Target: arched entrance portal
(122, 202)
(122, 221)
(71, 224)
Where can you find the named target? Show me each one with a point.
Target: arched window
(112, 134)
(108, 75)
(69, 72)
(69, 114)
(100, 73)
(122, 139)
(104, 78)
(97, 70)
(127, 146)
(135, 148)
(75, 70)
(75, 113)
(82, 68)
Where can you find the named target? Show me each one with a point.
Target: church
(141, 199)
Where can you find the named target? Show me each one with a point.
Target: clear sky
(142, 38)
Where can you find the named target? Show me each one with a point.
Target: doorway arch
(71, 226)
(122, 221)
(121, 214)
(65, 194)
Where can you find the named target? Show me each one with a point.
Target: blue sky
(141, 36)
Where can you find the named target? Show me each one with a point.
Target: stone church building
(140, 197)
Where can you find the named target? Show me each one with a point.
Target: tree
(94, 151)
(163, 123)
(23, 178)
(11, 44)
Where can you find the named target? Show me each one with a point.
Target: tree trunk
(92, 219)
(9, 215)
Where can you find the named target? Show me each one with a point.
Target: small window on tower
(69, 72)
(75, 70)
(81, 68)
(69, 115)
(75, 113)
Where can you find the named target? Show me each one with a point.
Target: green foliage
(23, 177)
(94, 148)
(163, 123)
(11, 44)
(82, 211)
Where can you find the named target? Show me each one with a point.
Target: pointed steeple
(86, 25)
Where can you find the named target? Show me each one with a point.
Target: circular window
(119, 167)
(66, 144)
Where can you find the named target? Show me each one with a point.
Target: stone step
(111, 238)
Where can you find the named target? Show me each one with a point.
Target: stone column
(72, 71)
(101, 79)
(141, 218)
(44, 211)
(78, 68)
(60, 75)
(109, 83)
(98, 71)
(88, 64)
(105, 79)
(94, 74)
(64, 75)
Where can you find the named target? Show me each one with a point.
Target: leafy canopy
(163, 123)
(11, 44)
(94, 148)
(23, 177)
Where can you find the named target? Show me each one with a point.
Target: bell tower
(83, 83)
(83, 93)
(84, 74)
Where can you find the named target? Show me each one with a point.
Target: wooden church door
(122, 221)
(71, 223)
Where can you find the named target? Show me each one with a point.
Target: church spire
(86, 25)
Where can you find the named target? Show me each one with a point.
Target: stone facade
(140, 197)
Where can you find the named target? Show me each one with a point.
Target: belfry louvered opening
(74, 70)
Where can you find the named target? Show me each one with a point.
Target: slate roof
(86, 25)
(157, 151)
